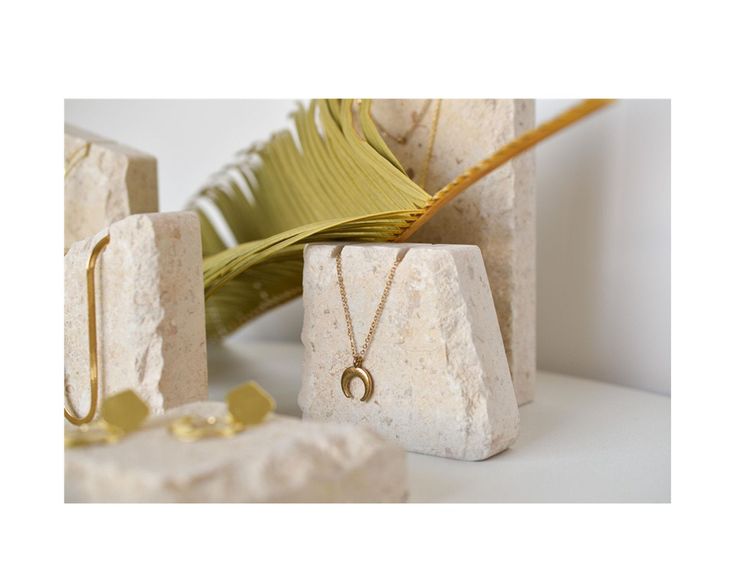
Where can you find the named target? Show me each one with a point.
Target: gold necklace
(356, 370)
(92, 331)
(403, 138)
(416, 118)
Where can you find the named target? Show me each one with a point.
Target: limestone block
(498, 214)
(283, 460)
(150, 313)
(104, 182)
(441, 379)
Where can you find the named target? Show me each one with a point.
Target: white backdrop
(604, 294)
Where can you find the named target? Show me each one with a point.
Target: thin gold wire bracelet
(92, 331)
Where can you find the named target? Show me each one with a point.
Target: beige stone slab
(282, 460)
(150, 313)
(441, 379)
(104, 182)
(498, 214)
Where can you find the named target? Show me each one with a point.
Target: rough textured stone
(282, 460)
(442, 384)
(104, 182)
(150, 313)
(498, 213)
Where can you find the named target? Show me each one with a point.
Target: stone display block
(104, 182)
(498, 214)
(150, 313)
(441, 379)
(283, 460)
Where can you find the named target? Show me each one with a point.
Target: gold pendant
(357, 372)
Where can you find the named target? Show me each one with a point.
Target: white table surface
(580, 441)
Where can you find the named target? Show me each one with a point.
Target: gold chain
(430, 149)
(358, 358)
(92, 331)
(403, 139)
(416, 119)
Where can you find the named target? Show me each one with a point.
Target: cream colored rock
(104, 182)
(150, 313)
(498, 214)
(441, 379)
(282, 460)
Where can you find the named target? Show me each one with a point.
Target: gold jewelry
(416, 118)
(430, 149)
(247, 405)
(122, 414)
(356, 370)
(125, 412)
(92, 331)
(403, 138)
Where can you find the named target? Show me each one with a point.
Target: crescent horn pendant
(353, 372)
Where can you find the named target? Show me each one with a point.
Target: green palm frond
(331, 181)
(335, 179)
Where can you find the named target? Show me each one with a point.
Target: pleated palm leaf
(335, 180)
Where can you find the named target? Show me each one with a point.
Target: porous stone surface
(283, 460)
(498, 214)
(441, 379)
(150, 313)
(104, 182)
